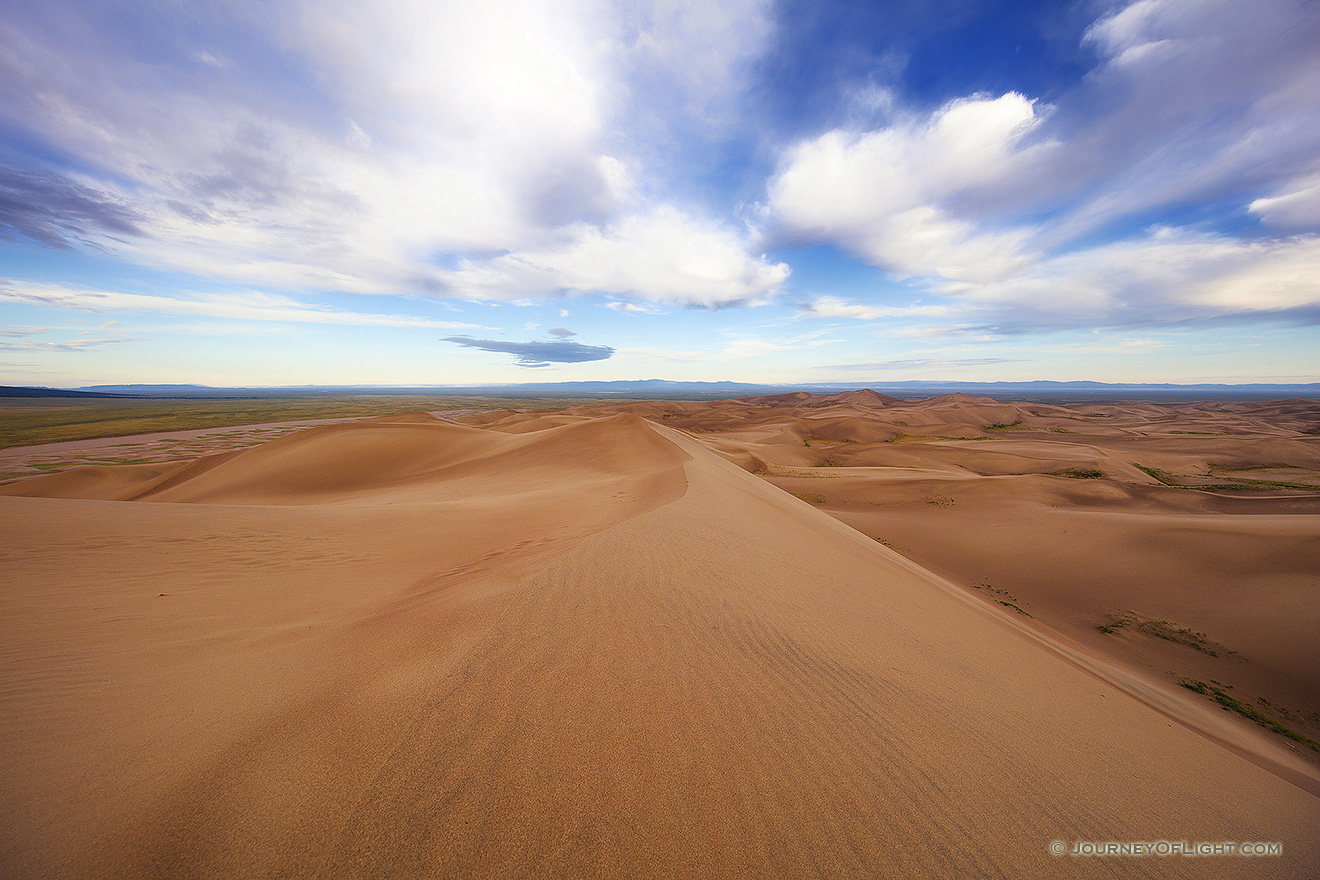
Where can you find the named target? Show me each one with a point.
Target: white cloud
(890, 195)
(71, 345)
(1298, 207)
(663, 256)
(247, 306)
(836, 307)
(692, 57)
(925, 364)
(1193, 102)
(1198, 100)
(627, 308)
(416, 132)
(1168, 276)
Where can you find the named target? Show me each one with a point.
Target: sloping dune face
(1181, 540)
(594, 649)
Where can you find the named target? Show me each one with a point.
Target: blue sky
(414, 192)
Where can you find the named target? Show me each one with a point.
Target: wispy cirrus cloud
(26, 339)
(922, 364)
(1167, 276)
(66, 345)
(246, 306)
(837, 307)
(58, 212)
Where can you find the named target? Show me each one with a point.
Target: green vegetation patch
(1238, 484)
(1233, 704)
(813, 497)
(918, 438)
(1263, 484)
(1080, 474)
(1018, 426)
(1157, 474)
(1009, 600)
(1013, 606)
(1163, 629)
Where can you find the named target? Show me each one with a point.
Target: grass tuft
(1233, 704)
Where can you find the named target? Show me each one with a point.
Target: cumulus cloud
(561, 332)
(538, 354)
(890, 195)
(663, 256)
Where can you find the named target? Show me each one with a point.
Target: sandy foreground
(595, 644)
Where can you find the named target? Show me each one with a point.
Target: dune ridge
(1180, 541)
(593, 648)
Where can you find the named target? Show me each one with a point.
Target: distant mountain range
(24, 391)
(665, 388)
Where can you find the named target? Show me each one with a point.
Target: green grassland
(28, 421)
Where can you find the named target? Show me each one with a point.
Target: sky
(412, 192)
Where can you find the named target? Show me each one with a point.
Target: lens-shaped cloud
(538, 354)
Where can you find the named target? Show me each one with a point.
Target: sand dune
(1066, 512)
(573, 645)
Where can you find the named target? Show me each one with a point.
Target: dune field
(611, 642)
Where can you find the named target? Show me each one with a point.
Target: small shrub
(1081, 473)
(1014, 607)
